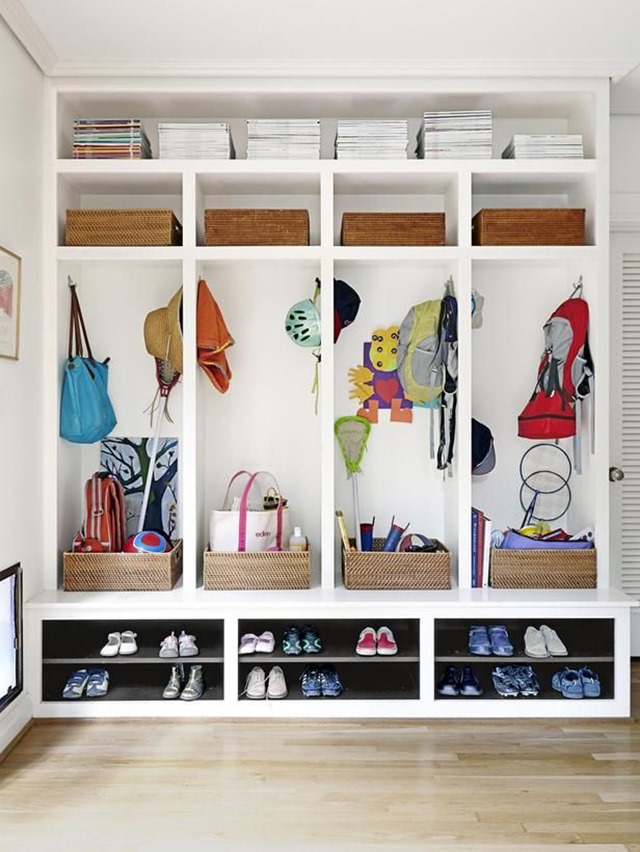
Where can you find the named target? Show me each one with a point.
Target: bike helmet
(302, 324)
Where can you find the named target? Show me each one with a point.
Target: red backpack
(565, 376)
(104, 527)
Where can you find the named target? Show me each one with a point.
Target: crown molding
(521, 68)
(29, 34)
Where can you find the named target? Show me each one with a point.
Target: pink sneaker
(366, 646)
(386, 642)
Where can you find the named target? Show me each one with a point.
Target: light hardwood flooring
(132, 786)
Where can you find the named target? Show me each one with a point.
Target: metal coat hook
(577, 288)
(448, 286)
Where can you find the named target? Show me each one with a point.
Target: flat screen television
(10, 634)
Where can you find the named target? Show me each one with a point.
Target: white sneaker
(534, 644)
(555, 645)
(277, 685)
(256, 684)
(112, 647)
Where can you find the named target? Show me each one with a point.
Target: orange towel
(213, 338)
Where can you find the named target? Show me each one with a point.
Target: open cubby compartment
(116, 185)
(258, 185)
(399, 187)
(115, 298)
(572, 185)
(505, 359)
(268, 412)
(396, 464)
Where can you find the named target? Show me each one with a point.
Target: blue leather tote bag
(86, 412)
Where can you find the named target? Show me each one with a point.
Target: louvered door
(625, 417)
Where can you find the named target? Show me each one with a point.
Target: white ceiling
(71, 36)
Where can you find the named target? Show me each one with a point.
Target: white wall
(21, 171)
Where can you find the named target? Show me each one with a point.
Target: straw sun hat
(163, 331)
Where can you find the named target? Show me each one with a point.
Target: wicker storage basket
(285, 569)
(379, 570)
(514, 226)
(393, 229)
(543, 569)
(138, 227)
(256, 227)
(122, 572)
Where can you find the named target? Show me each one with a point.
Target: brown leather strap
(77, 329)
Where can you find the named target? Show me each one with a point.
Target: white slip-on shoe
(534, 644)
(276, 683)
(248, 642)
(128, 644)
(112, 647)
(266, 642)
(555, 645)
(256, 684)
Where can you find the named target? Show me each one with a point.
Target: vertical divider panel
(230, 655)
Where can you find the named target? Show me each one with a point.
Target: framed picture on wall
(10, 268)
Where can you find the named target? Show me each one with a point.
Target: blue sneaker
(311, 642)
(469, 683)
(479, 641)
(527, 680)
(569, 683)
(500, 643)
(310, 682)
(504, 681)
(291, 641)
(330, 682)
(590, 683)
(449, 682)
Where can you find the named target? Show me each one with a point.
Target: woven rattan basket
(380, 570)
(393, 229)
(285, 569)
(543, 569)
(256, 227)
(122, 572)
(514, 226)
(123, 228)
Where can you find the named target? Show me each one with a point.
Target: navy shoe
(311, 643)
(500, 643)
(292, 641)
(449, 682)
(469, 683)
(310, 682)
(479, 642)
(330, 682)
(527, 680)
(504, 681)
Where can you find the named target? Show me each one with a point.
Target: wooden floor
(212, 785)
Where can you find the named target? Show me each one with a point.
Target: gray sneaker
(195, 685)
(277, 685)
(256, 684)
(176, 682)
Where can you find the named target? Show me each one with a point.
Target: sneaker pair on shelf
(511, 681)
(372, 642)
(183, 645)
(260, 685)
(298, 640)
(120, 643)
(485, 641)
(180, 686)
(454, 681)
(544, 642)
(94, 683)
(318, 681)
(577, 683)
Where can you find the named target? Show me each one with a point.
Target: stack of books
(364, 139)
(544, 145)
(289, 139)
(480, 549)
(110, 139)
(455, 134)
(195, 141)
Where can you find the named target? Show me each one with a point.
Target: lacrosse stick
(352, 434)
(167, 377)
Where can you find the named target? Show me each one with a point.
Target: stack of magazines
(110, 138)
(195, 141)
(544, 145)
(463, 134)
(289, 139)
(372, 139)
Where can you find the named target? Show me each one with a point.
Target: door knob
(615, 474)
